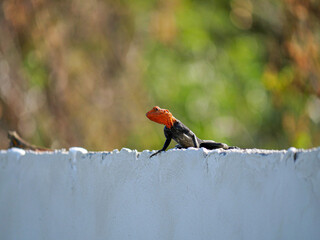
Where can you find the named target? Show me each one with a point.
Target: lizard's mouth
(155, 117)
(162, 118)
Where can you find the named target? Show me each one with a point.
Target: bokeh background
(84, 73)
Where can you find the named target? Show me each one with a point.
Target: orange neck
(162, 116)
(168, 121)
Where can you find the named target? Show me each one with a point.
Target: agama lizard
(176, 130)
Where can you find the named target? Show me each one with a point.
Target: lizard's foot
(155, 153)
(233, 147)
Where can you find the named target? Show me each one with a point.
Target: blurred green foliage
(85, 72)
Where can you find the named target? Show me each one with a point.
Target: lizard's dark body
(186, 138)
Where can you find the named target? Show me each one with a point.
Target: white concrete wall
(180, 194)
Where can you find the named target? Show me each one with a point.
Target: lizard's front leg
(165, 146)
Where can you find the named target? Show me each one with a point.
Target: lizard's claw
(155, 153)
(233, 147)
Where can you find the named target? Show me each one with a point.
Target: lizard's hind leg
(208, 144)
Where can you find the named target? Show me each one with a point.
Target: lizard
(176, 130)
(18, 142)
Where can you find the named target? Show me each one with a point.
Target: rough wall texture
(180, 194)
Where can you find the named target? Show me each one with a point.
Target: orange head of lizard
(162, 116)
